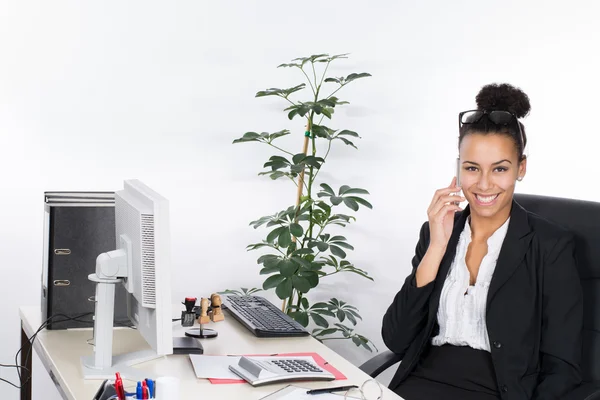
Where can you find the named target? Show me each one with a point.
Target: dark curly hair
(503, 97)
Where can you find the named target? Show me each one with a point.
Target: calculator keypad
(296, 366)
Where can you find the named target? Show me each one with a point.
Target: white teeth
(487, 199)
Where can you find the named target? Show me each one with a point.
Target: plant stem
(289, 301)
(324, 158)
(336, 90)
(324, 72)
(299, 300)
(279, 148)
(309, 82)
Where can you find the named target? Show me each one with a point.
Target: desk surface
(60, 352)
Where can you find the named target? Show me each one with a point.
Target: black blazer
(534, 310)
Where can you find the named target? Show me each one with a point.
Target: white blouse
(461, 314)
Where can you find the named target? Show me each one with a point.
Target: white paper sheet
(297, 393)
(216, 367)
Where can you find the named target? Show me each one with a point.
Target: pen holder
(167, 388)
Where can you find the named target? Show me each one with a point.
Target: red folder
(318, 359)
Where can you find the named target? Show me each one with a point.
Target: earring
(520, 178)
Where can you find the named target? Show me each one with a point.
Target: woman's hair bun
(503, 97)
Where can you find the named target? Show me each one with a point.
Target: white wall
(92, 93)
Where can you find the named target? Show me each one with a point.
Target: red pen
(119, 387)
(144, 390)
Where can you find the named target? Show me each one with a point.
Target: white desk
(60, 353)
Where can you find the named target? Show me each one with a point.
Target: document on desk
(292, 392)
(214, 367)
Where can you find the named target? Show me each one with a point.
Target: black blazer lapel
(459, 223)
(514, 247)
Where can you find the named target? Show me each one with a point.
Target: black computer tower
(77, 228)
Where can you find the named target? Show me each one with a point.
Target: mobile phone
(457, 177)
(458, 172)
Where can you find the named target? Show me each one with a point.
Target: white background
(92, 93)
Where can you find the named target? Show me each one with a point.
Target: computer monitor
(140, 262)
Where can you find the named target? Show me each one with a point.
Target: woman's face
(489, 170)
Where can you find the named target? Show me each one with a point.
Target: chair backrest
(582, 218)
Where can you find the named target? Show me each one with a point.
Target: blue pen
(138, 391)
(150, 384)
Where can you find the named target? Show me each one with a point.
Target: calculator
(263, 370)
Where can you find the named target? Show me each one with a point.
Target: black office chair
(582, 218)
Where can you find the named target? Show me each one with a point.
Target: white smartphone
(458, 172)
(457, 177)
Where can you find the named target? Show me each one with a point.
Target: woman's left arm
(562, 323)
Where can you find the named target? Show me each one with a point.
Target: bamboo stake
(300, 186)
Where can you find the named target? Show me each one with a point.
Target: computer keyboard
(262, 317)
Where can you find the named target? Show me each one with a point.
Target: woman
(493, 307)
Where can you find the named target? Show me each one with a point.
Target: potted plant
(301, 251)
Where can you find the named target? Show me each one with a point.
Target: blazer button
(497, 345)
(504, 389)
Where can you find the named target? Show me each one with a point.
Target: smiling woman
(493, 306)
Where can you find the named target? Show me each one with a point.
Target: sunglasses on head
(498, 117)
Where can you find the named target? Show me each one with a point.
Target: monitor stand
(102, 364)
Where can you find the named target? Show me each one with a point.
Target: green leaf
(297, 158)
(357, 341)
(248, 137)
(288, 268)
(337, 238)
(285, 239)
(327, 112)
(256, 246)
(324, 206)
(303, 251)
(296, 230)
(301, 317)
(269, 92)
(336, 80)
(346, 141)
(289, 65)
(315, 162)
(276, 175)
(273, 281)
(322, 131)
(356, 191)
(304, 302)
(322, 246)
(362, 201)
(319, 305)
(351, 318)
(279, 134)
(346, 132)
(280, 92)
(267, 258)
(343, 244)
(337, 251)
(301, 284)
(327, 188)
(284, 289)
(343, 189)
(335, 200)
(323, 332)
(322, 322)
(268, 270)
(311, 277)
(354, 76)
(341, 315)
(274, 234)
(350, 203)
(301, 262)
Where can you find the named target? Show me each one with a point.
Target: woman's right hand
(441, 215)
